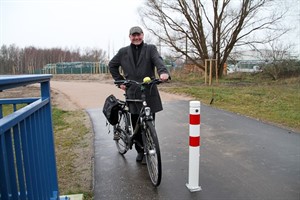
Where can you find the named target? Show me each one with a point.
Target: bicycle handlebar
(129, 82)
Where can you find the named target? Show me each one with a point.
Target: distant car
(254, 69)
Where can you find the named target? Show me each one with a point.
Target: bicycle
(145, 123)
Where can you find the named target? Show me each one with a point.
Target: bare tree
(15, 60)
(280, 61)
(202, 30)
(93, 55)
(4, 60)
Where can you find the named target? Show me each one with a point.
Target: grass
(8, 109)
(72, 146)
(72, 152)
(252, 95)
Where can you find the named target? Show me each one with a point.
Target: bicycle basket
(110, 109)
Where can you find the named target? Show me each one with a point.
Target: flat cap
(135, 29)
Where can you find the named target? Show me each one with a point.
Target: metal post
(194, 147)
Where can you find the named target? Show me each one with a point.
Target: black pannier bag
(110, 109)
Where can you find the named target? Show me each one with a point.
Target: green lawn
(255, 96)
(73, 145)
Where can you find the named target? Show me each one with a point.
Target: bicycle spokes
(121, 129)
(152, 153)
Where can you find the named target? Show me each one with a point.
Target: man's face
(136, 38)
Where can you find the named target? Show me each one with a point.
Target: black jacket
(149, 59)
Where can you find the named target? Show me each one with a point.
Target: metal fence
(76, 68)
(72, 68)
(27, 154)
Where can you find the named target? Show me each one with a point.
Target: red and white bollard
(194, 147)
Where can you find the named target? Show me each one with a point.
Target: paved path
(241, 158)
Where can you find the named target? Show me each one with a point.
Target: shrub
(282, 69)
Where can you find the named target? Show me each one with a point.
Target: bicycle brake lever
(119, 82)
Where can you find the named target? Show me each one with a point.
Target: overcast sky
(101, 24)
(68, 23)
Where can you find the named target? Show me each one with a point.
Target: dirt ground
(90, 91)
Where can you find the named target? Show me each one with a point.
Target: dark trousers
(138, 136)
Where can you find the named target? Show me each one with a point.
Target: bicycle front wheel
(152, 153)
(122, 142)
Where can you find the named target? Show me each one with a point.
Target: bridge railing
(27, 153)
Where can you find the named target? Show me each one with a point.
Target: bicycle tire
(121, 129)
(152, 154)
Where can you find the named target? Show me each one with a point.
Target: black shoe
(140, 156)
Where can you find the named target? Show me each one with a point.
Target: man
(139, 60)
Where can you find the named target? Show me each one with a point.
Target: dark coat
(149, 59)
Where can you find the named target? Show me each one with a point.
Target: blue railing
(27, 154)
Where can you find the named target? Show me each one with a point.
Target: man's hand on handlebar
(123, 87)
(164, 77)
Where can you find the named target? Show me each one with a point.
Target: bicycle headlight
(144, 103)
(147, 111)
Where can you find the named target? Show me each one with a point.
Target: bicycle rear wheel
(152, 153)
(121, 130)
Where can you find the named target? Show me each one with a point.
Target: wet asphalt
(240, 158)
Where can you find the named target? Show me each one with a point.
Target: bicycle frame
(145, 115)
